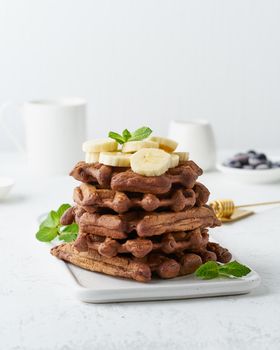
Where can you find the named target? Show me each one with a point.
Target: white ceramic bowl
(253, 176)
(6, 184)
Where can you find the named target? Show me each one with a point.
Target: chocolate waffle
(93, 199)
(122, 179)
(165, 266)
(146, 224)
(174, 242)
(137, 226)
(93, 261)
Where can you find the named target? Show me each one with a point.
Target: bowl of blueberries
(251, 166)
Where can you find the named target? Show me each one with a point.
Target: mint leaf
(235, 269)
(212, 269)
(126, 134)
(46, 234)
(52, 220)
(73, 228)
(62, 209)
(140, 134)
(137, 135)
(115, 136)
(69, 233)
(208, 270)
(50, 228)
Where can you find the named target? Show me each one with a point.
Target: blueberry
(242, 158)
(251, 160)
(261, 156)
(262, 166)
(254, 161)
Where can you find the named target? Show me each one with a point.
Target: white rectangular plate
(93, 287)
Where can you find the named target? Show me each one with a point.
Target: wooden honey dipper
(224, 208)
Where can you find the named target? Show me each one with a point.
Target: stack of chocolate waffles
(137, 226)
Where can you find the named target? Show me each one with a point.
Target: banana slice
(134, 146)
(174, 160)
(115, 159)
(183, 156)
(92, 157)
(100, 145)
(150, 161)
(167, 145)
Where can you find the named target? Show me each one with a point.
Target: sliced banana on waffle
(166, 144)
(134, 146)
(100, 145)
(92, 157)
(149, 157)
(183, 156)
(150, 161)
(174, 160)
(118, 159)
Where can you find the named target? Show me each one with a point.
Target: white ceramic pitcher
(54, 133)
(197, 138)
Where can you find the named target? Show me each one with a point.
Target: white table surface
(39, 311)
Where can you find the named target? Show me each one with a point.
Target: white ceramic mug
(197, 138)
(54, 133)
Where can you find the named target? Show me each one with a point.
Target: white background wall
(146, 62)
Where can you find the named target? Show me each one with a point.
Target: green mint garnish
(140, 134)
(68, 233)
(208, 270)
(51, 228)
(212, 269)
(115, 136)
(234, 269)
(137, 135)
(126, 134)
(46, 234)
(52, 220)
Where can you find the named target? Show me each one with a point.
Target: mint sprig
(51, 228)
(126, 134)
(140, 134)
(137, 135)
(68, 233)
(117, 137)
(212, 269)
